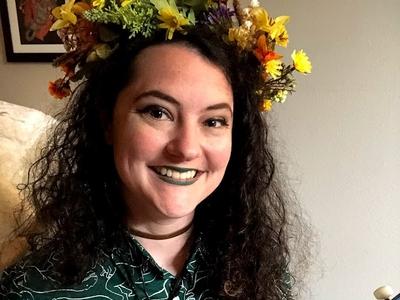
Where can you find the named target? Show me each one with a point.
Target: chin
(176, 210)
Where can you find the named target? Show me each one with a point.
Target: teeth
(175, 174)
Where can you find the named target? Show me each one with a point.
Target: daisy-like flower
(274, 68)
(301, 61)
(66, 14)
(171, 17)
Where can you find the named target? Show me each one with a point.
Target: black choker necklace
(150, 236)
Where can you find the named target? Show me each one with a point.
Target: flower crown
(85, 27)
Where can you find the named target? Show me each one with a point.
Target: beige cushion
(21, 130)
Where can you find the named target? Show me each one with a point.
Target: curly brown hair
(245, 221)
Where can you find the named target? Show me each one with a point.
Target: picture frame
(26, 25)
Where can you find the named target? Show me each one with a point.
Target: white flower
(254, 3)
(247, 24)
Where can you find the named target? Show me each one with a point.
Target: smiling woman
(184, 129)
(159, 177)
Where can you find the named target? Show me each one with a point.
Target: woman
(159, 182)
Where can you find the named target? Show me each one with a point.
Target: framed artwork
(26, 25)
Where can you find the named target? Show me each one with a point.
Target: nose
(185, 143)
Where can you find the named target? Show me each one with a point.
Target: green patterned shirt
(129, 273)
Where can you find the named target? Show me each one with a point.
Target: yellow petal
(56, 12)
(103, 50)
(282, 20)
(172, 4)
(170, 33)
(70, 17)
(283, 39)
(59, 24)
(92, 57)
(68, 5)
(301, 61)
(266, 105)
(260, 18)
(273, 68)
(126, 3)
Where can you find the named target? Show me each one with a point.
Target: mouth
(177, 175)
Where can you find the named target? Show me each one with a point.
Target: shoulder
(27, 277)
(35, 278)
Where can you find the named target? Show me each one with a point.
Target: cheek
(135, 145)
(218, 155)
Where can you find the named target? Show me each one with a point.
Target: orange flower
(68, 69)
(263, 52)
(59, 89)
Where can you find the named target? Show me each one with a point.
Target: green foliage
(137, 18)
(196, 5)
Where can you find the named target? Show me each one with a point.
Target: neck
(171, 253)
(156, 225)
(167, 242)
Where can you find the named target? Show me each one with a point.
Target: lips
(177, 175)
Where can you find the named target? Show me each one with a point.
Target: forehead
(180, 72)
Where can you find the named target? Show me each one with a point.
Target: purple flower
(220, 15)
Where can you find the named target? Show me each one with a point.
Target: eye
(156, 112)
(216, 123)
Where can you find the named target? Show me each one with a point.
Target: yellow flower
(66, 14)
(126, 3)
(99, 51)
(99, 3)
(301, 61)
(266, 105)
(281, 96)
(273, 68)
(278, 32)
(260, 19)
(242, 36)
(171, 17)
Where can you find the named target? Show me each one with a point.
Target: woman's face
(171, 132)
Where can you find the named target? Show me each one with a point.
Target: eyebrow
(172, 100)
(158, 94)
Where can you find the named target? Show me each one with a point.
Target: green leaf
(191, 17)
(197, 5)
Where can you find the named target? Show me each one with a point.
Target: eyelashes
(216, 122)
(159, 113)
(156, 112)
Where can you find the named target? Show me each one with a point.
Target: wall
(26, 83)
(341, 132)
(339, 136)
